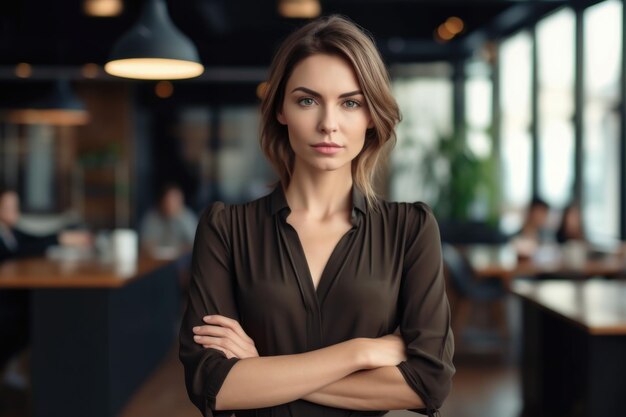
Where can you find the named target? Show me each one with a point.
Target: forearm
(374, 389)
(267, 381)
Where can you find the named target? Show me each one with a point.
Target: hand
(226, 335)
(388, 350)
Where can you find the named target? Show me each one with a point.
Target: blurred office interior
(502, 101)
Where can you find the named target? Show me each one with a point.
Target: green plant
(467, 184)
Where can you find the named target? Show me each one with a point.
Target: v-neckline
(321, 285)
(315, 294)
(328, 260)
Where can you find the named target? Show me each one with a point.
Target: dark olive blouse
(386, 271)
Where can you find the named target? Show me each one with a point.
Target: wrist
(362, 356)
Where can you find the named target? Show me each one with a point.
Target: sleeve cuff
(213, 387)
(416, 384)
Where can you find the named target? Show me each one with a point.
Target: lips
(326, 145)
(327, 148)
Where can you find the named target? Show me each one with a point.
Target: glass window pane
(555, 60)
(426, 106)
(478, 108)
(515, 140)
(602, 66)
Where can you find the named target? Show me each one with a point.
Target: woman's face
(325, 113)
(572, 220)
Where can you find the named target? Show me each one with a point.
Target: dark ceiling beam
(211, 74)
(396, 50)
(523, 15)
(515, 18)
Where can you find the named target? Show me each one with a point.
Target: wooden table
(502, 261)
(574, 349)
(97, 329)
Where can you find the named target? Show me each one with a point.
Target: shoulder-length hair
(334, 35)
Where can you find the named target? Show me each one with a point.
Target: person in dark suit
(15, 243)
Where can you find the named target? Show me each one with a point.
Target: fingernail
(196, 337)
(208, 317)
(195, 329)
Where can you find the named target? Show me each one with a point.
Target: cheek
(300, 123)
(357, 125)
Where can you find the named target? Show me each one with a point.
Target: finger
(219, 331)
(223, 332)
(210, 330)
(229, 323)
(224, 343)
(226, 333)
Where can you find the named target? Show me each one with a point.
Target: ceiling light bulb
(103, 8)
(454, 25)
(303, 9)
(23, 70)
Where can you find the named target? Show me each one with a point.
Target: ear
(370, 123)
(281, 118)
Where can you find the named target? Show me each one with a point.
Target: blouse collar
(278, 201)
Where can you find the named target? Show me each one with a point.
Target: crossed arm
(358, 374)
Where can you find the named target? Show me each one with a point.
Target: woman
(534, 231)
(295, 296)
(571, 227)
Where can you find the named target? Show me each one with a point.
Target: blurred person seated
(571, 227)
(15, 243)
(574, 245)
(534, 231)
(168, 230)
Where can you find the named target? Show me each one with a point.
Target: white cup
(124, 244)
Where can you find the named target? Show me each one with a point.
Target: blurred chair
(469, 232)
(467, 292)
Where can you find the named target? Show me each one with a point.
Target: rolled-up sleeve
(424, 312)
(210, 292)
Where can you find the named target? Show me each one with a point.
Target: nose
(328, 121)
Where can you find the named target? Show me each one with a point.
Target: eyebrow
(316, 94)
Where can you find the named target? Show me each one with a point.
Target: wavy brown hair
(332, 35)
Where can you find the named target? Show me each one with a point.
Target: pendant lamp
(60, 108)
(154, 49)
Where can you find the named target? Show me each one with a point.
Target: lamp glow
(154, 49)
(304, 9)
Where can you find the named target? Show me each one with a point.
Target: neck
(320, 194)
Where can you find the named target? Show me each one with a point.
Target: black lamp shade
(59, 108)
(154, 49)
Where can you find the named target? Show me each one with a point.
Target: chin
(316, 162)
(329, 164)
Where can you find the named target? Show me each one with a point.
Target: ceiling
(245, 33)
